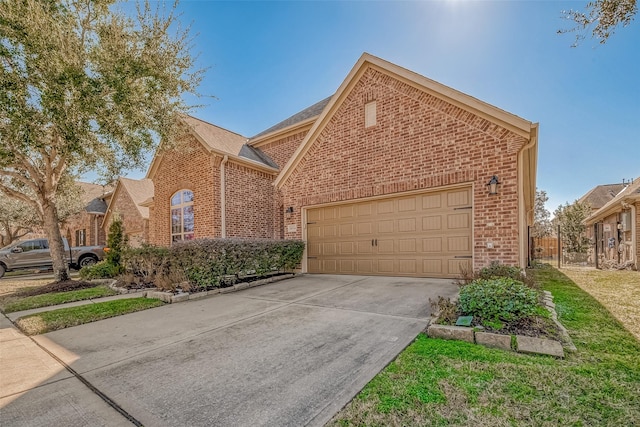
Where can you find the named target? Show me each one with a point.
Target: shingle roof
(93, 196)
(139, 190)
(216, 137)
(631, 192)
(227, 142)
(600, 195)
(303, 115)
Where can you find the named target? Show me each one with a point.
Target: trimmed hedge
(210, 263)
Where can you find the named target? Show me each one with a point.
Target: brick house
(128, 203)
(616, 226)
(388, 176)
(85, 227)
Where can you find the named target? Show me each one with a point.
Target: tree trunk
(56, 245)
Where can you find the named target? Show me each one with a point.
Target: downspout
(223, 198)
(634, 236)
(521, 205)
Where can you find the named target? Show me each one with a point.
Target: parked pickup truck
(34, 254)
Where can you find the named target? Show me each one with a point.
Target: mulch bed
(64, 286)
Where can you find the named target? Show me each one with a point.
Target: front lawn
(450, 383)
(14, 303)
(66, 317)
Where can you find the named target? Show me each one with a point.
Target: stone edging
(170, 297)
(519, 343)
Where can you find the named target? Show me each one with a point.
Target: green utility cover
(464, 321)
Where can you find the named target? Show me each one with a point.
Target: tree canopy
(541, 216)
(85, 86)
(570, 218)
(600, 18)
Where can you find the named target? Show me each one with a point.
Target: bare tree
(84, 87)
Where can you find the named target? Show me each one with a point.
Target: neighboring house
(388, 176)
(85, 227)
(617, 227)
(127, 203)
(600, 195)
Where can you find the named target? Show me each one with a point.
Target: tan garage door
(420, 235)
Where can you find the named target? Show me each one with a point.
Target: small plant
(500, 299)
(101, 270)
(445, 309)
(497, 270)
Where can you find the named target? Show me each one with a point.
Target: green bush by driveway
(449, 383)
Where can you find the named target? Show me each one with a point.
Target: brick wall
(88, 222)
(135, 227)
(282, 149)
(418, 142)
(188, 166)
(250, 202)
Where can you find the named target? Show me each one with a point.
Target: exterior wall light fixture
(289, 210)
(492, 185)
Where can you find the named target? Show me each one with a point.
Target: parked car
(34, 254)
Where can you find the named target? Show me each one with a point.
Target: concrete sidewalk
(18, 314)
(55, 396)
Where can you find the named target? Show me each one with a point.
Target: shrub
(496, 270)
(445, 309)
(209, 263)
(116, 242)
(101, 270)
(143, 265)
(498, 299)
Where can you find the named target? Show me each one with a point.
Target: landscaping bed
(454, 383)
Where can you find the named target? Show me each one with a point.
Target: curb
(170, 297)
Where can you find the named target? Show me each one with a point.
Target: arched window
(182, 216)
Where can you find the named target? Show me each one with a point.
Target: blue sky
(269, 60)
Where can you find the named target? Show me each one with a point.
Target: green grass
(66, 317)
(451, 383)
(13, 304)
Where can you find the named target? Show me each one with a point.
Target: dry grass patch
(618, 291)
(11, 286)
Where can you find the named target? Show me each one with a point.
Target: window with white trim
(182, 216)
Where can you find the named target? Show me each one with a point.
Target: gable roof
(630, 194)
(600, 195)
(302, 116)
(93, 196)
(138, 190)
(222, 142)
(216, 137)
(489, 112)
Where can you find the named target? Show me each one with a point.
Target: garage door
(419, 235)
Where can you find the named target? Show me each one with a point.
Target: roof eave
(281, 133)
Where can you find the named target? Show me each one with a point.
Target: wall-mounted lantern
(492, 185)
(289, 210)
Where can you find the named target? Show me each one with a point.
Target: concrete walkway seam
(84, 381)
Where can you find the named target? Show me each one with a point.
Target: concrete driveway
(290, 353)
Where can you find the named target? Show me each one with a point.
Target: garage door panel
(432, 267)
(385, 226)
(364, 229)
(347, 230)
(460, 220)
(407, 225)
(424, 235)
(407, 204)
(431, 223)
(431, 201)
(346, 248)
(459, 244)
(458, 198)
(385, 246)
(407, 245)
